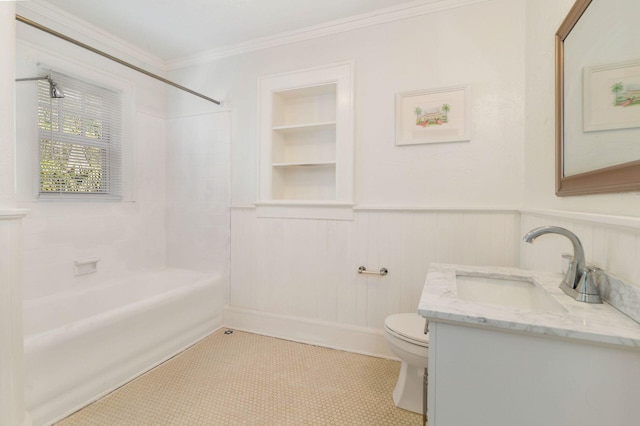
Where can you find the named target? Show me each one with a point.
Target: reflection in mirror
(598, 98)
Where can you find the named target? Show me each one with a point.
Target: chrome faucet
(578, 281)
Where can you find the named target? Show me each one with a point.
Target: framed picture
(611, 98)
(433, 116)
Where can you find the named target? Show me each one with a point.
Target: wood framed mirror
(598, 98)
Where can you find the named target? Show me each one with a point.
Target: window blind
(80, 136)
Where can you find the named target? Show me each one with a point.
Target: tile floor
(248, 379)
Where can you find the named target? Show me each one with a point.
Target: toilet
(405, 335)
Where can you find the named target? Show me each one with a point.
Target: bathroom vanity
(508, 347)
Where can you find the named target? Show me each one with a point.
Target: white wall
(428, 51)
(126, 236)
(306, 270)
(181, 224)
(607, 225)
(11, 348)
(198, 224)
(184, 224)
(510, 74)
(543, 19)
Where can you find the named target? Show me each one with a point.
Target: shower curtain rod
(113, 58)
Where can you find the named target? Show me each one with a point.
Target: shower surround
(162, 252)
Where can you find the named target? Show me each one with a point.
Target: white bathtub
(82, 344)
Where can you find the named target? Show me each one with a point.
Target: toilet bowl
(405, 335)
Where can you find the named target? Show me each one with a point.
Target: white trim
(329, 211)
(197, 114)
(243, 207)
(416, 208)
(598, 219)
(46, 14)
(350, 338)
(394, 13)
(11, 214)
(378, 207)
(302, 203)
(299, 71)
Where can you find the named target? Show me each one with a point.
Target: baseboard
(350, 338)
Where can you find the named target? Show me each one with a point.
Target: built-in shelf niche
(305, 106)
(306, 136)
(304, 182)
(304, 144)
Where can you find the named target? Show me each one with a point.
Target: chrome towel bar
(382, 272)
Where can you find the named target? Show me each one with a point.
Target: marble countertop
(598, 323)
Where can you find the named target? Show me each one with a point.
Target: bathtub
(82, 344)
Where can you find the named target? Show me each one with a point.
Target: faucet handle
(572, 276)
(587, 289)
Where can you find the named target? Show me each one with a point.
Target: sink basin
(513, 292)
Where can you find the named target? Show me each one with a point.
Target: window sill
(79, 197)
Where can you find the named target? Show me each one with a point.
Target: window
(80, 150)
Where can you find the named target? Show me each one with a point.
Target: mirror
(598, 98)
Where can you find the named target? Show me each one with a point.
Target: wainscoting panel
(307, 268)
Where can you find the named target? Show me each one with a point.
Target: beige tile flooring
(248, 379)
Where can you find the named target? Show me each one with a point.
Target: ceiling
(174, 29)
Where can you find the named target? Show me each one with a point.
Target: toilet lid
(410, 326)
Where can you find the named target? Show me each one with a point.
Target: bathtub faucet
(578, 281)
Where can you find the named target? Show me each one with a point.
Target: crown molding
(394, 13)
(46, 14)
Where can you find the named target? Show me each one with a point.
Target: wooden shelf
(310, 127)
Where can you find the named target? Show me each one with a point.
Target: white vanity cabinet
(503, 364)
(482, 376)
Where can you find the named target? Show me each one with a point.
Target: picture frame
(433, 116)
(611, 96)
